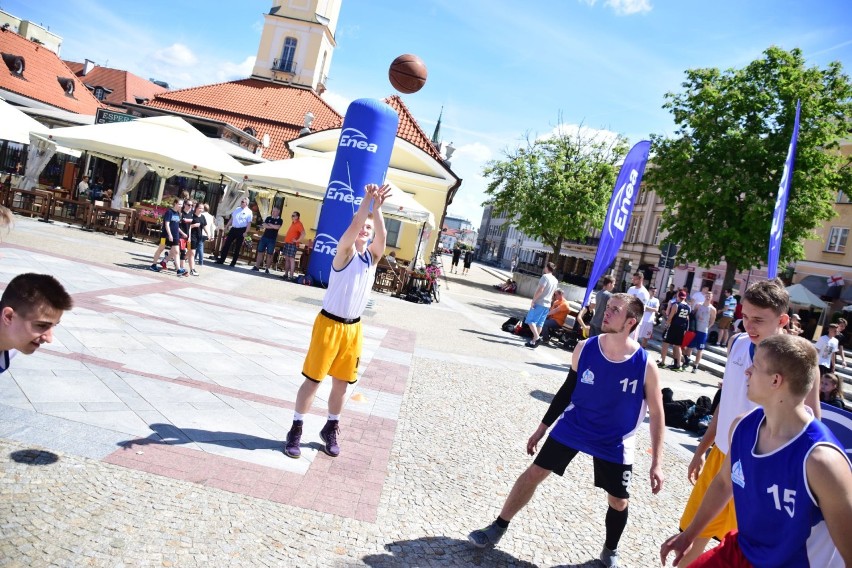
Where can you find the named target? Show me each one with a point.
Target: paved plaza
(149, 432)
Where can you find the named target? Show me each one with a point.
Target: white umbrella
(168, 143)
(16, 125)
(308, 177)
(803, 297)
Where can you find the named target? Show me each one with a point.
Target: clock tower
(297, 43)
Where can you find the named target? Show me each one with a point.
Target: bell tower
(297, 43)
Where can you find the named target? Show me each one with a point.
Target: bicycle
(435, 269)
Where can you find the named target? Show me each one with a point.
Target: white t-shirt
(550, 283)
(825, 350)
(640, 292)
(698, 298)
(648, 317)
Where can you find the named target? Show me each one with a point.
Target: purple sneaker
(328, 435)
(294, 437)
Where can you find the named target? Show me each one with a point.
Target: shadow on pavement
(500, 335)
(551, 367)
(32, 456)
(168, 434)
(440, 551)
(542, 396)
(497, 309)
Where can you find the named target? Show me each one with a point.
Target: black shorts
(674, 335)
(614, 478)
(195, 243)
(170, 244)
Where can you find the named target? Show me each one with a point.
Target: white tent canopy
(16, 125)
(801, 296)
(308, 177)
(168, 144)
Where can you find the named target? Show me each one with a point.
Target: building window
(837, 239)
(393, 228)
(288, 55)
(100, 93)
(657, 230)
(843, 197)
(635, 229)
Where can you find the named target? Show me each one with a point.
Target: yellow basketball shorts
(726, 521)
(335, 350)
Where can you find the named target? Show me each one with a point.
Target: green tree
(719, 174)
(554, 188)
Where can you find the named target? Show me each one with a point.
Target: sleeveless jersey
(734, 400)
(681, 317)
(6, 358)
(349, 288)
(702, 318)
(607, 406)
(779, 520)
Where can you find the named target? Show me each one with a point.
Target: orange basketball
(407, 73)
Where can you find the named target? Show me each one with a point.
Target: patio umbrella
(308, 177)
(16, 125)
(803, 297)
(168, 144)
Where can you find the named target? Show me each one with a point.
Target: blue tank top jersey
(779, 521)
(607, 405)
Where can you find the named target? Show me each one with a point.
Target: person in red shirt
(294, 235)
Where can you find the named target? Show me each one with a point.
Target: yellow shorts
(726, 521)
(335, 350)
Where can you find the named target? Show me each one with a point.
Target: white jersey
(349, 288)
(648, 317)
(640, 292)
(6, 358)
(734, 400)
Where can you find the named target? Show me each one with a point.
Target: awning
(15, 126)
(801, 296)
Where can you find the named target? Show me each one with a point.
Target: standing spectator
(196, 237)
(169, 236)
(186, 215)
(456, 256)
(698, 297)
(208, 232)
(705, 315)
(559, 310)
(826, 347)
(601, 299)
(83, 188)
(31, 306)
(240, 220)
(729, 308)
(638, 289)
(468, 260)
(540, 304)
(795, 326)
(336, 339)
(841, 341)
(646, 328)
(676, 326)
(271, 225)
(294, 236)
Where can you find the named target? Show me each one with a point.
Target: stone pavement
(149, 432)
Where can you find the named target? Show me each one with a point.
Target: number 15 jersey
(607, 406)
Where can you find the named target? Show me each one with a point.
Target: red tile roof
(40, 81)
(269, 108)
(125, 86)
(408, 128)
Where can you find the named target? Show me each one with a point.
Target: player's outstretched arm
(380, 235)
(830, 480)
(654, 399)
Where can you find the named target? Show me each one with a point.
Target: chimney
(88, 66)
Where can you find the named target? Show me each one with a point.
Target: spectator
(456, 256)
(729, 308)
(266, 247)
(82, 188)
(601, 299)
(240, 220)
(294, 235)
(795, 325)
(559, 310)
(676, 326)
(169, 236)
(196, 237)
(468, 260)
(831, 390)
(540, 305)
(826, 347)
(841, 341)
(208, 232)
(646, 328)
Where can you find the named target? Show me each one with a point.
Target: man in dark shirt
(170, 235)
(196, 231)
(186, 214)
(271, 226)
(676, 326)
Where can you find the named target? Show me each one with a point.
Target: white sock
(334, 417)
(297, 416)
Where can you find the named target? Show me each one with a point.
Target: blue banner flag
(619, 211)
(777, 229)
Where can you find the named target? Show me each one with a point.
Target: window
(635, 229)
(288, 55)
(657, 230)
(837, 239)
(843, 197)
(393, 228)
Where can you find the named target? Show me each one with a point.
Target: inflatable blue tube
(363, 155)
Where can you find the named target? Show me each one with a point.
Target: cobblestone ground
(473, 397)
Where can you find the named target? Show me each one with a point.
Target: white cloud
(228, 71)
(337, 101)
(176, 54)
(583, 132)
(624, 7)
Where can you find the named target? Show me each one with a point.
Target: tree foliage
(554, 187)
(719, 175)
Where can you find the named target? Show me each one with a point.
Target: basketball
(407, 73)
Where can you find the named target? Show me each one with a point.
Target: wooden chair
(388, 277)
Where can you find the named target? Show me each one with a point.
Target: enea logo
(622, 203)
(354, 138)
(325, 244)
(340, 191)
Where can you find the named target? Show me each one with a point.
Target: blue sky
(501, 70)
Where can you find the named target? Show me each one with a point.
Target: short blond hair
(792, 357)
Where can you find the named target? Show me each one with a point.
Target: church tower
(297, 43)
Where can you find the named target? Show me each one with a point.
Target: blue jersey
(607, 405)
(779, 520)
